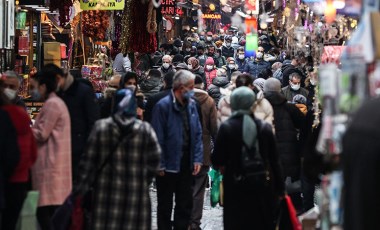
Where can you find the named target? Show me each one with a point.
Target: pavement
(212, 217)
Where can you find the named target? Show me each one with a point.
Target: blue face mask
(189, 94)
(35, 94)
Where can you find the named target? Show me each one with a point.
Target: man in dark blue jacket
(258, 65)
(179, 133)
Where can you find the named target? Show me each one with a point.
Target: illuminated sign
(168, 7)
(212, 16)
(102, 4)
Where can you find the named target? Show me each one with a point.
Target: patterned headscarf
(125, 103)
(194, 62)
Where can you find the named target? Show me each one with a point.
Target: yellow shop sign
(102, 4)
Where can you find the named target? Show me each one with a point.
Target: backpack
(254, 168)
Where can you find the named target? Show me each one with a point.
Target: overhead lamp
(339, 4)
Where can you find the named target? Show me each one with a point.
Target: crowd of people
(200, 104)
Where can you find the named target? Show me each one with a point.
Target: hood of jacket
(287, 67)
(201, 95)
(221, 82)
(275, 98)
(259, 96)
(150, 84)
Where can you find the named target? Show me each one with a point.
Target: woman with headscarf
(128, 152)
(194, 67)
(247, 204)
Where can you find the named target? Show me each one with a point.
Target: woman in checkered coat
(131, 153)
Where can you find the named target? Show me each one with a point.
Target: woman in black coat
(247, 205)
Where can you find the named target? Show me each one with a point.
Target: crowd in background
(170, 115)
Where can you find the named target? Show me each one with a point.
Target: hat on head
(177, 42)
(210, 61)
(272, 85)
(209, 33)
(181, 66)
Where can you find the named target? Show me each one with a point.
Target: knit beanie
(272, 85)
(210, 61)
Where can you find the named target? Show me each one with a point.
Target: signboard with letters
(102, 4)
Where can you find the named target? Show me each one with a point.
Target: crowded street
(189, 114)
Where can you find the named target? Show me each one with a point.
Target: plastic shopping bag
(27, 219)
(216, 178)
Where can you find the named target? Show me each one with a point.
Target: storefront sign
(102, 4)
(168, 7)
(211, 16)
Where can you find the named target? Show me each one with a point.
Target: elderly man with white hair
(176, 122)
(167, 65)
(12, 85)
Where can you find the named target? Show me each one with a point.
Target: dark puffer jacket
(214, 88)
(287, 119)
(228, 51)
(150, 86)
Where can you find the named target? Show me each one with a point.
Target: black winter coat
(228, 51)
(361, 161)
(289, 69)
(229, 72)
(84, 111)
(247, 206)
(214, 88)
(152, 101)
(9, 153)
(287, 119)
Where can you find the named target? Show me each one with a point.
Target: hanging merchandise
(134, 36)
(95, 24)
(63, 7)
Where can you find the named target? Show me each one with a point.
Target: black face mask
(200, 53)
(211, 54)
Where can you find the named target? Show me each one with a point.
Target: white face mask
(166, 65)
(228, 44)
(188, 49)
(295, 87)
(209, 67)
(259, 55)
(231, 66)
(241, 56)
(313, 82)
(10, 93)
(189, 66)
(209, 39)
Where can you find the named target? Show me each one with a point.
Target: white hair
(167, 57)
(181, 78)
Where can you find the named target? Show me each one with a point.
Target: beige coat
(51, 174)
(262, 109)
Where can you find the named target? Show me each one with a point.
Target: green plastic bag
(215, 195)
(27, 219)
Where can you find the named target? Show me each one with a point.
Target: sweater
(26, 142)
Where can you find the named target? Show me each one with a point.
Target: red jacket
(210, 75)
(26, 142)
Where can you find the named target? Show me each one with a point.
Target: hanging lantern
(330, 11)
